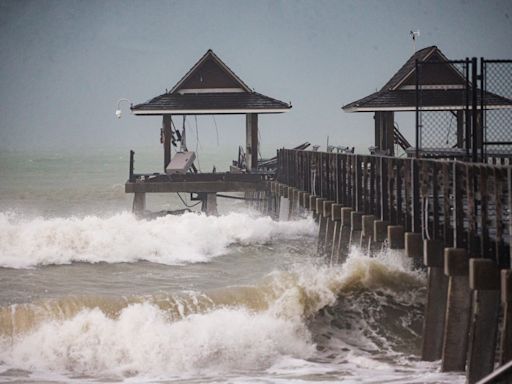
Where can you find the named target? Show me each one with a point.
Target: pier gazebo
(431, 85)
(210, 87)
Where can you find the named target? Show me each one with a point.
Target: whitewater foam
(142, 340)
(172, 240)
(291, 322)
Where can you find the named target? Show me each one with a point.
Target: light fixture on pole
(118, 110)
(414, 36)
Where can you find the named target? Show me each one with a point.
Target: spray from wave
(172, 240)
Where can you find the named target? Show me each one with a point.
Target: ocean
(91, 294)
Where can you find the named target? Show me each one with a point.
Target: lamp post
(118, 110)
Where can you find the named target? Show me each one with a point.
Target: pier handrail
(467, 205)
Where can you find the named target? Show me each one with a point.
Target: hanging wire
(449, 130)
(313, 182)
(425, 219)
(259, 142)
(197, 145)
(216, 129)
(187, 205)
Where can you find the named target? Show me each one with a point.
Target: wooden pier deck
(198, 183)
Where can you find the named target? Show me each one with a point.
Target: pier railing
(466, 205)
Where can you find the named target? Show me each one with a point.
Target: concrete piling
(356, 226)
(380, 233)
(396, 236)
(456, 329)
(305, 200)
(506, 330)
(139, 203)
(414, 247)
(343, 246)
(366, 232)
(322, 227)
(435, 308)
(336, 218)
(312, 206)
(484, 281)
(328, 240)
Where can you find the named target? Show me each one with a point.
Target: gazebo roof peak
(408, 69)
(210, 74)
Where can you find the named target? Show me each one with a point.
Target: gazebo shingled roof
(210, 87)
(446, 88)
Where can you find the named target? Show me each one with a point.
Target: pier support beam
(506, 331)
(435, 308)
(414, 247)
(367, 232)
(305, 200)
(322, 227)
(380, 228)
(484, 280)
(396, 236)
(343, 246)
(251, 141)
(328, 228)
(356, 222)
(336, 218)
(294, 202)
(139, 202)
(456, 329)
(312, 206)
(209, 205)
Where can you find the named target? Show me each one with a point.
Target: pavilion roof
(210, 87)
(443, 87)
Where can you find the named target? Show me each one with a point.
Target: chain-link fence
(464, 110)
(497, 106)
(443, 97)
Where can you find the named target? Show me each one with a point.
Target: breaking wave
(289, 317)
(172, 240)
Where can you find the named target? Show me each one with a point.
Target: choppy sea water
(89, 293)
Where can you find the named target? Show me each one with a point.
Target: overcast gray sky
(64, 64)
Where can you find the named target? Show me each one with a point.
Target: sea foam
(188, 238)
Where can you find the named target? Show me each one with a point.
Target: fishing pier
(444, 197)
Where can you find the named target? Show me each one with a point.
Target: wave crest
(172, 240)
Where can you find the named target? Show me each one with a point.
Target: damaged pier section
(210, 87)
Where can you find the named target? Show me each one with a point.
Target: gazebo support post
(384, 126)
(460, 128)
(251, 141)
(166, 131)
